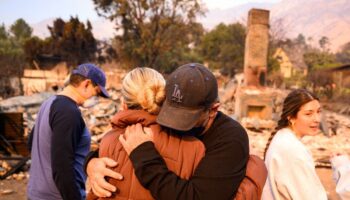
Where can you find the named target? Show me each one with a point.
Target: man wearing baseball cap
(60, 140)
(191, 107)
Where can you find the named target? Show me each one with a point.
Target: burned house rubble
(17, 118)
(18, 114)
(98, 117)
(256, 107)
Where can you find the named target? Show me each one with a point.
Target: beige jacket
(291, 170)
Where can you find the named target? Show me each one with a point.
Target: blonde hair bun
(144, 88)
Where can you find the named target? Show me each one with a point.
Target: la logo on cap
(176, 96)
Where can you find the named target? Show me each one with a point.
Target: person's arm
(341, 173)
(297, 179)
(88, 158)
(217, 176)
(97, 169)
(66, 126)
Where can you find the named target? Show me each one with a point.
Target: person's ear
(214, 109)
(291, 121)
(85, 83)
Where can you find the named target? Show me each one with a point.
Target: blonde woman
(291, 169)
(143, 92)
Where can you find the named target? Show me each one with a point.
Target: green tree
(155, 33)
(33, 48)
(75, 43)
(344, 55)
(57, 30)
(70, 41)
(11, 52)
(324, 43)
(21, 30)
(223, 48)
(11, 46)
(12, 58)
(316, 60)
(3, 32)
(300, 39)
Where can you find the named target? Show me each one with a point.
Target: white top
(291, 170)
(341, 174)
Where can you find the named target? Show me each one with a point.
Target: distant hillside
(312, 18)
(316, 18)
(40, 29)
(230, 15)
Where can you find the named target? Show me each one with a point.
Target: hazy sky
(34, 11)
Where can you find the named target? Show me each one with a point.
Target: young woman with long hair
(291, 169)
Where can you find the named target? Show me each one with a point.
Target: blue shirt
(60, 143)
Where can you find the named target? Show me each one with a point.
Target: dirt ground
(18, 188)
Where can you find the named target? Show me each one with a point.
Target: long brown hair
(291, 106)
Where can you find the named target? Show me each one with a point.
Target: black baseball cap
(190, 89)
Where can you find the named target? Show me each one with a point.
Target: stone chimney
(256, 48)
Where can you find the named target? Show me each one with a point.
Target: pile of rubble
(28, 105)
(98, 117)
(5, 166)
(341, 108)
